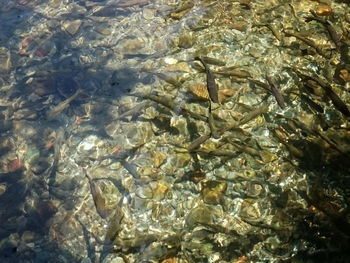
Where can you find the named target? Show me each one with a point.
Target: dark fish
(331, 30)
(273, 30)
(311, 103)
(213, 61)
(167, 78)
(130, 3)
(336, 100)
(211, 85)
(99, 201)
(213, 130)
(61, 106)
(57, 152)
(234, 72)
(276, 92)
(131, 168)
(197, 142)
(252, 115)
(308, 42)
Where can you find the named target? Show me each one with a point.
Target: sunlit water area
(135, 131)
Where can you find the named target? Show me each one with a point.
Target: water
(271, 187)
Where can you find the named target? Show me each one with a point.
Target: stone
(72, 26)
(159, 159)
(148, 14)
(199, 214)
(5, 59)
(213, 191)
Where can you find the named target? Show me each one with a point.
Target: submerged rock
(200, 214)
(213, 191)
(5, 59)
(72, 26)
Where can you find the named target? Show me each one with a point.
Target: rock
(3, 188)
(213, 191)
(159, 159)
(200, 214)
(148, 14)
(186, 41)
(102, 29)
(182, 159)
(72, 26)
(182, 66)
(200, 91)
(15, 165)
(55, 3)
(159, 190)
(5, 60)
(324, 11)
(132, 46)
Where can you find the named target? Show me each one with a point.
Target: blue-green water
(109, 152)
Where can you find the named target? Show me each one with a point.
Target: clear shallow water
(102, 103)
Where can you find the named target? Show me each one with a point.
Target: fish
(336, 100)
(331, 30)
(197, 142)
(213, 61)
(135, 110)
(251, 115)
(211, 85)
(169, 79)
(130, 3)
(213, 129)
(276, 92)
(62, 105)
(100, 202)
(273, 30)
(131, 168)
(308, 42)
(311, 103)
(57, 152)
(234, 72)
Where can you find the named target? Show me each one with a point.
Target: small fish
(62, 105)
(336, 100)
(276, 92)
(213, 61)
(273, 30)
(197, 142)
(211, 85)
(311, 103)
(57, 152)
(130, 3)
(169, 79)
(135, 110)
(308, 42)
(99, 201)
(331, 30)
(131, 168)
(234, 72)
(252, 115)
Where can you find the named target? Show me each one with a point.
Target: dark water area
(174, 131)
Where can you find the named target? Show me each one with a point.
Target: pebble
(132, 46)
(213, 191)
(200, 214)
(15, 165)
(148, 14)
(324, 11)
(72, 26)
(159, 159)
(5, 59)
(200, 91)
(103, 30)
(3, 188)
